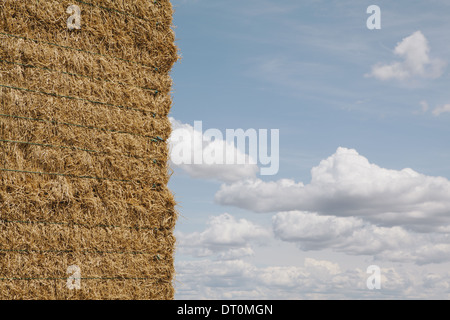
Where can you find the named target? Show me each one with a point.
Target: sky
(364, 150)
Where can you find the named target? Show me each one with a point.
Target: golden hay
(83, 151)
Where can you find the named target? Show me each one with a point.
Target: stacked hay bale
(85, 212)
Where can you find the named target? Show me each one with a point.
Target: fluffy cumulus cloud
(315, 279)
(313, 231)
(203, 156)
(348, 185)
(416, 61)
(350, 235)
(231, 276)
(238, 279)
(225, 236)
(396, 219)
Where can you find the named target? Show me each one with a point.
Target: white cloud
(316, 279)
(259, 196)
(441, 109)
(437, 111)
(322, 266)
(346, 184)
(350, 235)
(237, 279)
(185, 135)
(226, 236)
(415, 52)
(238, 253)
(434, 253)
(424, 107)
(312, 230)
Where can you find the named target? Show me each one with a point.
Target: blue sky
(314, 71)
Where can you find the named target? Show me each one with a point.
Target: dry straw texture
(83, 152)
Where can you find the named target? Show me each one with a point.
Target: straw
(83, 150)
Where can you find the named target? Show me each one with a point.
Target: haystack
(83, 152)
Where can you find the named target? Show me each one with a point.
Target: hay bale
(83, 152)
